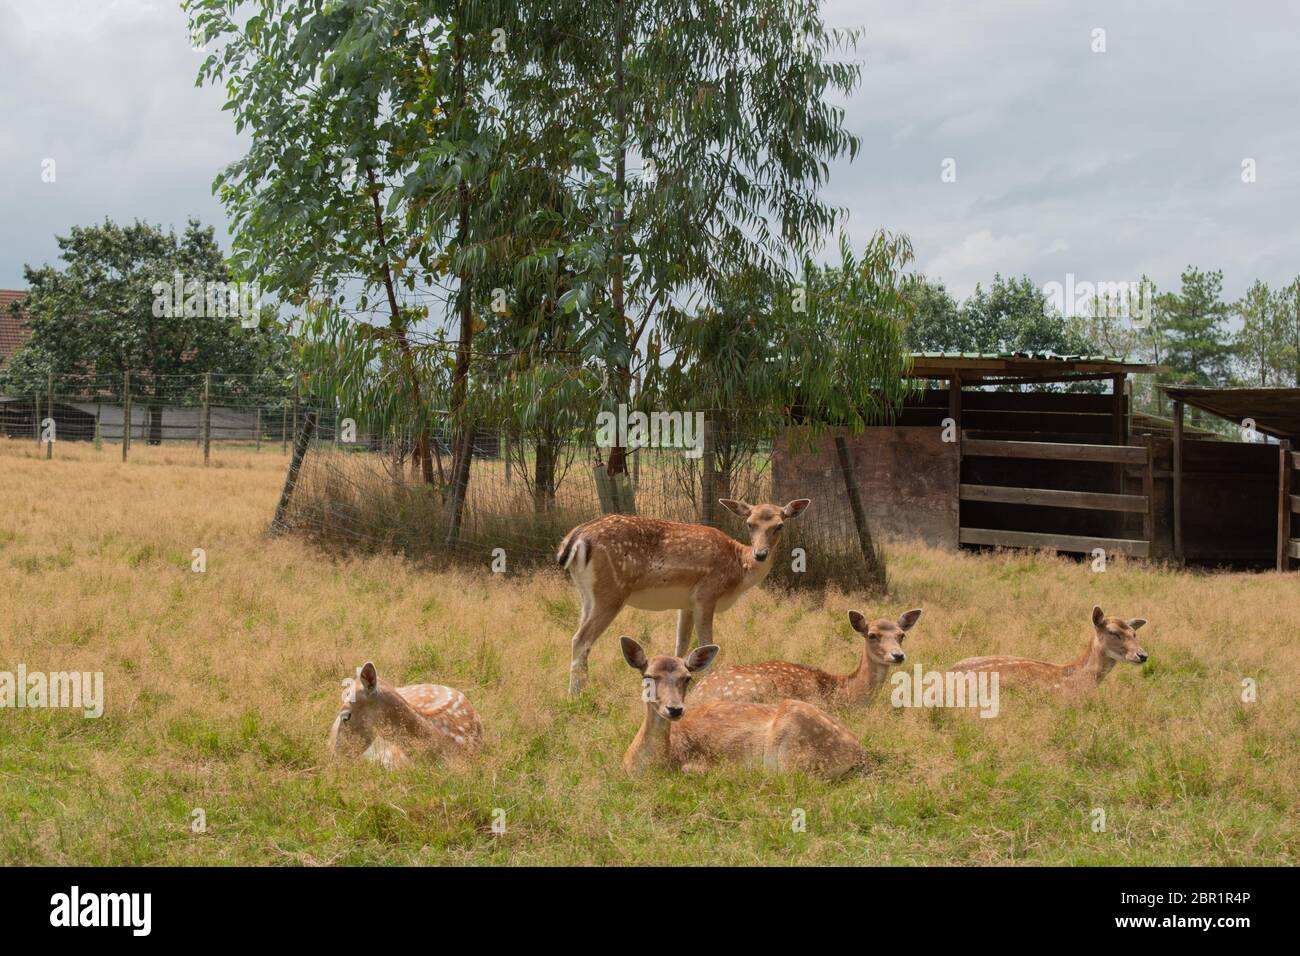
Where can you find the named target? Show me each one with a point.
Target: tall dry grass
(221, 687)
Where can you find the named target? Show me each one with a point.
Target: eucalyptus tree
(373, 141)
(704, 139)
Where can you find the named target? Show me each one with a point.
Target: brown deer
(618, 560)
(785, 737)
(384, 723)
(882, 648)
(1113, 640)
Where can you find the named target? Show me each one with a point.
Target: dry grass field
(220, 688)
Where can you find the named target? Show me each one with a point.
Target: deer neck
(754, 571)
(404, 718)
(865, 680)
(652, 745)
(1094, 663)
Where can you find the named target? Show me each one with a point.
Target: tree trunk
(398, 325)
(463, 430)
(620, 375)
(544, 477)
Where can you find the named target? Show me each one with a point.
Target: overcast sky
(1107, 165)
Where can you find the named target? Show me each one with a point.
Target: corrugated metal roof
(1275, 411)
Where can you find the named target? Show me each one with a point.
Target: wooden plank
(1149, 492)
(1094, 501)
(1055, 451)
(1295, 460)
(1286, 503)
(1295, 547)
(1059, 542)
(1177, 503)
(1295, 504)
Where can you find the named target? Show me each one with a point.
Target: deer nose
(674, 712)
(899, 657)
(760, 554)
(1141, 656)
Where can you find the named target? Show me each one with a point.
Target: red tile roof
(13, 333)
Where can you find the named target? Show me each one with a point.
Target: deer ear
(909, 619)
(1137, 622)
(633, 653)
(796, 506)
(736, 507)
(701, 657)
(858, 620)
(1098, 615)
(368, 677)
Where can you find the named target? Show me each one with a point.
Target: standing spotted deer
(656, 565)
(882, 648)
(384, 723)
(785, 737)
(1113, 640)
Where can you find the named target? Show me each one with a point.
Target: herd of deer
(769, 714)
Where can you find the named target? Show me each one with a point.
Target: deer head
(1116, 637)
(664, 679)
(765, 522)
(885, 637)
(368, 709)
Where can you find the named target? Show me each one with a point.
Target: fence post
(49, 408)
(1284, 506)
(36, 418)
(207, 417)
(874, 569)
(258, 426)
(300, 443)
(126, 412)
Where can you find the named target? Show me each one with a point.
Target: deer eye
(778, 527)
(873, 637)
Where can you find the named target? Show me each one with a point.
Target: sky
(1000, 135)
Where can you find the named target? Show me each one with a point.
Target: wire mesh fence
(356, 491)
(523, 497)
(203, 411)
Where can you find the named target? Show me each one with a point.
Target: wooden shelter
(1237, 495)
(1030, 467)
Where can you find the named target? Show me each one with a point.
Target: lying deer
(384, 723)
(656, 565)
(1113, 640)
(785, 737)
(882, 648)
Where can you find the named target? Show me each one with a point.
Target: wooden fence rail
(1142, 504)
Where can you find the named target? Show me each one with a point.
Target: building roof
(976, 367)
(1275, 411)
(13, 333)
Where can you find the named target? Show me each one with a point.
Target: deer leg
(685, 621)
(703, 615)
(594, 622)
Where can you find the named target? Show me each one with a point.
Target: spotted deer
(1113, 640)
(385, 724)
(656, 565)
(785, 737)
(882, 648)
